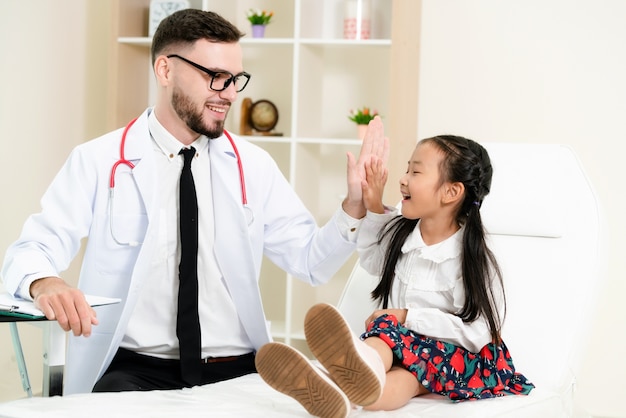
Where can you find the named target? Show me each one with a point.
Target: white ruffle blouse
(428, 282)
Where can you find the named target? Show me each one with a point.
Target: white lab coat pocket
(122, 238)
(120, 229)
(127, 212)
(128, 230)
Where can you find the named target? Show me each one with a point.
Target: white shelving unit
(314, 76)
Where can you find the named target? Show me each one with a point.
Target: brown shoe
(290, 372)
(354, 366)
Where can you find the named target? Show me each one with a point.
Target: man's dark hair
(185, 27)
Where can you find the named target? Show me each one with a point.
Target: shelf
(135, 40)
(345, 42)
(289, 140)
(330, 141)
(266, 41)
(268, 139)
(147, 41)
(278, 331)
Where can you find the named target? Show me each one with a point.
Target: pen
(8, 308)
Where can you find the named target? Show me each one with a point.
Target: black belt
(209, 360)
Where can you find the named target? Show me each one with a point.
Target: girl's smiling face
(422, 185)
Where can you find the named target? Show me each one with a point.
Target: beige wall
(548, 72)
(53, 77)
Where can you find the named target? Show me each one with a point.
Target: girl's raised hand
(374, 185)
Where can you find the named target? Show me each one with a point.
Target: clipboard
(25, 309)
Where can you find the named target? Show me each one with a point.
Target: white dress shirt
(222, 332)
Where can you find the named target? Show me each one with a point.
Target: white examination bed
(546, 230)
(249, 396)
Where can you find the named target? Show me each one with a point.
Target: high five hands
(374, 150)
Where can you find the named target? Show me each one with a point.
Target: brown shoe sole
(330, 340)
(289, 372)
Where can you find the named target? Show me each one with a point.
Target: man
(127, 206)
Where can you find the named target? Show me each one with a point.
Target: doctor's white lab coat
(76, 205)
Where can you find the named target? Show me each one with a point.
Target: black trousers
(132, 371)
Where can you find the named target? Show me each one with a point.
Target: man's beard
(185, 110)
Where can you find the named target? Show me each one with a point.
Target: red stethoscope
(123, 161)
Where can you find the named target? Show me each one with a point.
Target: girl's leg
(383, 349)
(400, 387)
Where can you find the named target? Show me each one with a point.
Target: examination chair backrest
(545, 228)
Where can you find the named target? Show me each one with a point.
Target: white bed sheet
(249, 396)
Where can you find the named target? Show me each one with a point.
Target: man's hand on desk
(65, 304)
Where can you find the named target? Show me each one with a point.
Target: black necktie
(188, 324)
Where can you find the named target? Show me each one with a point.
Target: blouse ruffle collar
(437, 253)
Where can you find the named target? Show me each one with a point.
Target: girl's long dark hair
(467, 162)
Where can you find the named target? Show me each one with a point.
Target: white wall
(53, 72)
(547, 71)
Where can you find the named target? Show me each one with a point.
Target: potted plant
(362, 118)
(259, 19)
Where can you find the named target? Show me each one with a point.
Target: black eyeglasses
(220, 80)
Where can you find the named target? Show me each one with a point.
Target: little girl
(440, 290)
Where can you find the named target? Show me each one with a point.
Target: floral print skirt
(448, 369)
